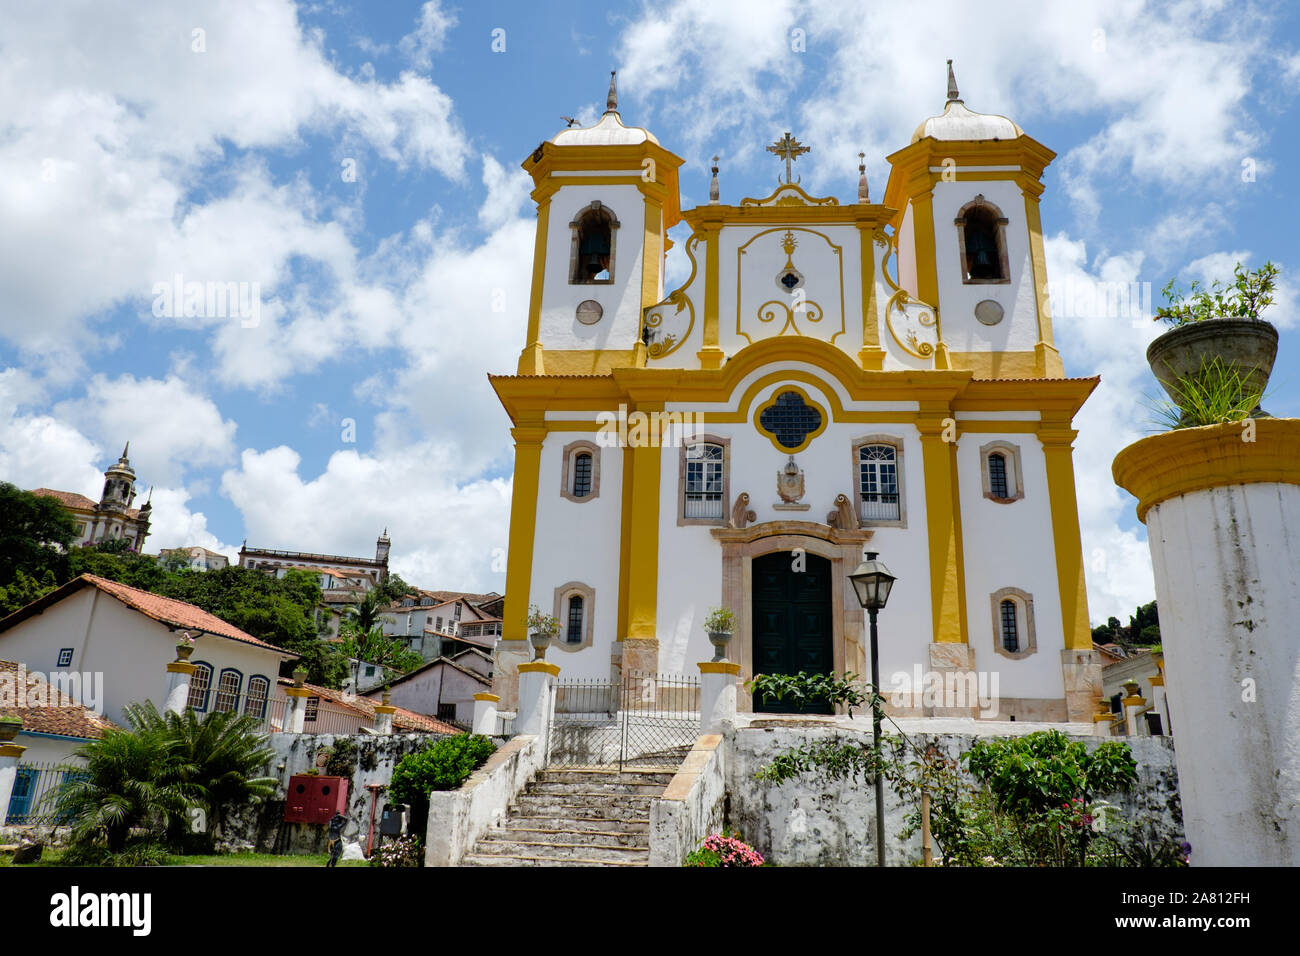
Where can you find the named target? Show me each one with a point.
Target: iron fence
(37, 798)
(644, 720)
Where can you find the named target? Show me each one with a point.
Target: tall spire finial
(126, 449)
(953, 95)
(611, 101)
(715, 194)
(864, 194)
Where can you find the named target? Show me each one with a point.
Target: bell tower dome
(606, 197)
(119, 484)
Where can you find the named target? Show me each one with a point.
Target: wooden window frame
(1015, 476)
(561, 612)
(1028, 639)
(571, 452)
(724, 519)
(896, 442)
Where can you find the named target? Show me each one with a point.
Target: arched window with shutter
(594, 231)
(200, 683)
(228, 688)
(259, 688)
(981, 238)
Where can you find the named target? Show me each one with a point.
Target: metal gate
(644, 721)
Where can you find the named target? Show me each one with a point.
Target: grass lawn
(52, 855)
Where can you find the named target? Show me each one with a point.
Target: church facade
(831, 378)
(111, 518)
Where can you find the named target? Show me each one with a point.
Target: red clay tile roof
(365, 707)
(169, 611)
(61, 715)
(69, 499)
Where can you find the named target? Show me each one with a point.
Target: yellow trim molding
(523, 528)
(943, 521)
(1180, 462)
(491, 698)
(181, 667)
(297, 692)
(385, 709)
(719, 667)
(1057, 437)
(540, 667)
(12, 750)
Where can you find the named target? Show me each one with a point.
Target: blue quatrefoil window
(791, 421)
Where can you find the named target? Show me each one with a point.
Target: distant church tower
(829, 377)
(112, 517)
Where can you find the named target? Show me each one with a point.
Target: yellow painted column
(640, 637)
(531, 360)
(927, 266)
(1047, 359)
(523, 528)
(943, 524)
(652, 254)
(1057, 437)
(872, 355)
(711, 355)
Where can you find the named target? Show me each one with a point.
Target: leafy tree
(34, 530)
(24, 590)
(130, 780)
(280, 611)
(375, 647)
(443, 765)
(326, 662)
(365, 613)
(220, 757)
(125, 567)
(394, 589)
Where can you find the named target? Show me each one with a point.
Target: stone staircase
(576, 818)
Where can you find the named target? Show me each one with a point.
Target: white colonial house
(444, 688)
(832, 377)
(118, 640)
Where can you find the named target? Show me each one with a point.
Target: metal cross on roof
(789, 149)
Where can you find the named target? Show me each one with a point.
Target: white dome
(609, 131)
(959, 123)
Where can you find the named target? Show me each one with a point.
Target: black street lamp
(871, 583)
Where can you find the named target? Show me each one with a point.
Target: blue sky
(134, 148)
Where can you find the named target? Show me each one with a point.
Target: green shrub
(444, 765)
(144, 852)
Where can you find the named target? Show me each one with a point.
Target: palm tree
(364, 614)
(130, 780)
(221, 757)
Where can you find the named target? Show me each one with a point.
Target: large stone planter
(1222, 508)
(9, 730)
(1247, 345)
(719, 640)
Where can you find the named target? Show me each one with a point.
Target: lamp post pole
(875, 736)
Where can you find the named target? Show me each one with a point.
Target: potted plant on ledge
(720, 625)
(1215, 361)
(542, 629)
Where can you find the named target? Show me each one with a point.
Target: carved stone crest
(789, 485)
(741, 513)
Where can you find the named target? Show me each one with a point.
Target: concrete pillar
(1222, 508)
(9, 756)
(717, 695)
(1159, 701)
(1134, 705)
(1103, 722)
(384, 715)
(485, 714)
(534, 697)
(177, 698)
(296, 713)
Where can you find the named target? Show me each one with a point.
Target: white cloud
(429, 35)
(173, 427)
(174, 525)
(444, 532)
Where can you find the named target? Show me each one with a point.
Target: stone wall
(810, 822)
(263, 827)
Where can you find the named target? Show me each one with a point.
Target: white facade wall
(579, 541)
(128, 650)
(620, 327)
(962, 332)
(1011, 545)
(48, 748)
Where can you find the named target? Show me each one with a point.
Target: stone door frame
(842, 548)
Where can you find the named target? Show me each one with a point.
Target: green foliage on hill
(1143, 628)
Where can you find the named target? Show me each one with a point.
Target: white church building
(852, 376)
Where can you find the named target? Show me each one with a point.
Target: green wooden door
(792, 621)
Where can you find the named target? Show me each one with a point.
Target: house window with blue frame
(258, 690)
(200, 682)
(65, 657)
(228, 687)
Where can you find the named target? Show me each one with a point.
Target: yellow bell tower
(606, 196)
(970, 240)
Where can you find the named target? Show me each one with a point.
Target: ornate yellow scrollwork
(916, 314)
(808, 309)
(671, 341)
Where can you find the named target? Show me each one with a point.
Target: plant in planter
(542, 629)
(720, 625)
(184, 647)
(1220, 351)
(9, 727)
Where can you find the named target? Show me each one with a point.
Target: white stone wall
(1225, 563)
(620, 327)
(806, 822)
(579, 541)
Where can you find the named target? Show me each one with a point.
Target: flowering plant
(404, 851)
(724, 849)
(546, 624)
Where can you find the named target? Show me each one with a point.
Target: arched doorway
(792, 623)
